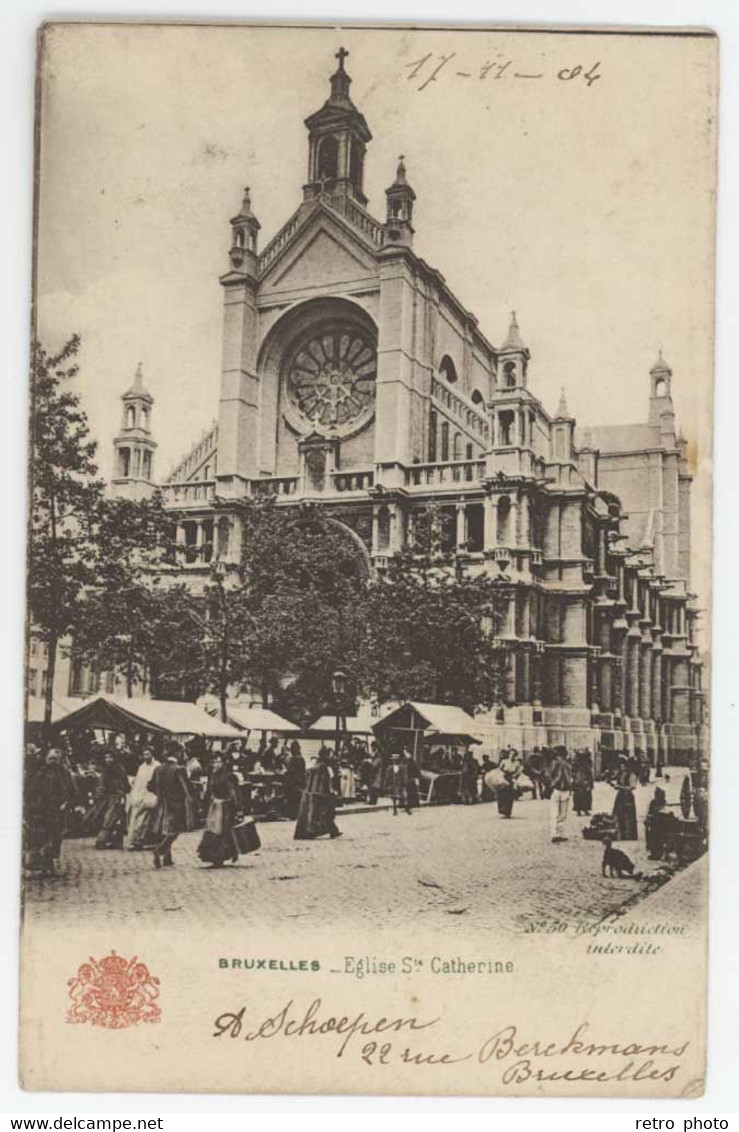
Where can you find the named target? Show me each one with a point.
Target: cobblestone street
(443, 867)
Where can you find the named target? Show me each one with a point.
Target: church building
(354, 377)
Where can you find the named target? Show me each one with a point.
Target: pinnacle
(513, 338)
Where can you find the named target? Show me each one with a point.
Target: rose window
(330, 379)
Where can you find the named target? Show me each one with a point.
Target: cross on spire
(341, 55)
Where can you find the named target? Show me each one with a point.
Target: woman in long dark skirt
(107, 816)
(317, 806)
(218, 843)
(582, 783)
(624, 807)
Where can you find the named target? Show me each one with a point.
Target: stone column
(631, 684)
(657, 682)
(513, 521)
(526, 675)
(461, 524)
(645, 679)
(511, 677)
(490, 522)
(606, 683)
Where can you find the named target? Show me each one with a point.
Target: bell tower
(134, 447)
(400, 198)
(337, 139)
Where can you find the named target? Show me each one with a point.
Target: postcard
(369, 560)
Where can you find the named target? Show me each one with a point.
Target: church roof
(623, 438)
(137, 389)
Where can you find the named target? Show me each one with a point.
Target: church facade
(353, 377)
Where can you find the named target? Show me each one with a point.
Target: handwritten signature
(520, 1059)
(429, 67)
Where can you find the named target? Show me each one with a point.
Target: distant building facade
(353, 376)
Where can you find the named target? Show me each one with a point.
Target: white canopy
(258, 719)
(170, 716)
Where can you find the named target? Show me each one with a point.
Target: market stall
(435, 734)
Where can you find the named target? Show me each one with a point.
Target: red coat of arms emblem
(114, 992)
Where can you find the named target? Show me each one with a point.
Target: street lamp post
(339, 685)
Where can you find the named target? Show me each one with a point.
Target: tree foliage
(65, 499)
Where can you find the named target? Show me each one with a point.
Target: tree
(286, 616)
(118, 628)
(431, 628)
(65, 499)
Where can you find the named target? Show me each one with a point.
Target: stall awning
(168, 717)
(361, 724)
(445, 720)
(258, 719)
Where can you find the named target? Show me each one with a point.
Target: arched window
(144, 417)
(477, 397)
(447, 370)
(457, 446)
(328, 159)
(224, 536)
(206, 472)
(125, 462)
(509, 374)
(147, 465)
(660, 387)
(130, 417)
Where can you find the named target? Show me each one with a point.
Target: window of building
(660, 387)
(447, 369)
(477, 397)
(32, 682)
(33, 646)
(509, 374)
(475, 528)
(44, 681)
(356, 162)
(144, 417)
(328, 159)
(470, 452)
(124, 466)
(110, 683)
(191, 534)
(505, 428)
(147, 465)
(457, 446)
(130, 417)
(433, 426)
(208, 540)
(445, 442)
(76, 674)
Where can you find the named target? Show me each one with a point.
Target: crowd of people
(133, 794)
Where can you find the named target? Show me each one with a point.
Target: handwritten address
(410, 1039)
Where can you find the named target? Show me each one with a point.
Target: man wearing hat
(560, 783)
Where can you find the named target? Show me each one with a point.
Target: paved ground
(447, 867)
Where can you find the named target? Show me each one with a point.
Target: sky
(586, 206)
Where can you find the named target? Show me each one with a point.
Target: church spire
(244, 236)
(513, 357)
(562, 410)
(400, 198)
(337, 139)
(134, 447)
(513, 338)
